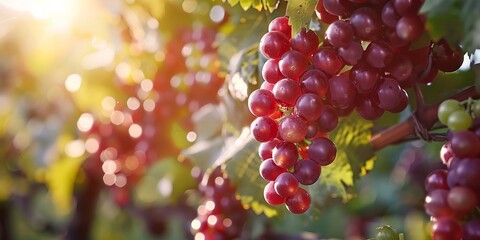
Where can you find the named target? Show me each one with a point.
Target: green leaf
(258, 5)
(246, 4)
(270, 5)
(300, 12)
(233, 2)
(436, 6)
(355, 157)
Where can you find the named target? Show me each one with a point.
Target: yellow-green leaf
(300, 12)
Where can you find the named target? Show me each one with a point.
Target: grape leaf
(300, 12)
(233, 2)
(271, 4)
(246, 4)
(259, 5)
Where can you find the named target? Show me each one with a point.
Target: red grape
(274, 44)
(286, 184)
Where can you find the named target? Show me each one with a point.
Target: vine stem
(425, 115)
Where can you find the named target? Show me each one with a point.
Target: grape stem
(425, 115)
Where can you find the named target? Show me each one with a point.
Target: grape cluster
(292, 118)
(364, 63)
(145, 127)
(454, 193)
(372, 42)
(221, 215)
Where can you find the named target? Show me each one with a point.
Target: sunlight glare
(43, 9)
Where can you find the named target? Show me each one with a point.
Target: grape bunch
(371, 41)
(221, 215)
(292, 118)
(453, 194)
(364, 62)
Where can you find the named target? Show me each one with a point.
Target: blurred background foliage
(64, 61)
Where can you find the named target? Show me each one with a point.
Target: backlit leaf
(300, 12)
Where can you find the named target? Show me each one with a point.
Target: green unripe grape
(476, 108)
(386, 233)
(459, 120)
(446, 108)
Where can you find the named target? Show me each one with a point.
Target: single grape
(406, 7)
(271, 72)
(339, 33)
(389, 94)
(286, 185)
(446, 108)
(336, 7)
(446, 228)
(437, 179)
(285, 155)
(409, 28)
(364, 77)
(465, 144)
(293, 64)
(306, 42)
(269, 170)
(386, 233)
(378, 54)
(287, 91)
(299, 202)
(436, 204)
(314, 81)
(261, 102)
(264, 129)
(309, 107)
(280, 24)
(307, 171)
(465, 173)
(322, 151)
(366, 23)
(274, 45)
(328, 119)
(327, 60)
(342, 92)
(271, 197)
(351, 53)
(446, 58)
(461, 200)
(459, 120)
(292, 129)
